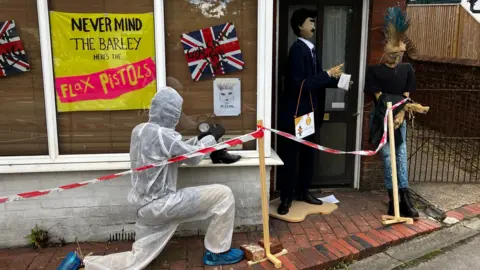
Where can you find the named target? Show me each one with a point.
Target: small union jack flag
(12, 55)
(212, 51)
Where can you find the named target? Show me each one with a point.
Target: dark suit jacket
(300, 67)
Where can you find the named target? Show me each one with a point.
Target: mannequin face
(307, 28)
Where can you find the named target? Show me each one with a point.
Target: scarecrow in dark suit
(304, 92)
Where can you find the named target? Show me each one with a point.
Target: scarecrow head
(397, 43)
(303, 22)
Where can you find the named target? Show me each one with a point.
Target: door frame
(363, 53)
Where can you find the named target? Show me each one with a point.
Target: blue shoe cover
(232, 256)
(71, 262)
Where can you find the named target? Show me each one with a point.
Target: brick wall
(451, 87)
(93, 212)
(371, 175)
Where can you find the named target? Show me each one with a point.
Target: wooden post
(393, 161)
(265, 217)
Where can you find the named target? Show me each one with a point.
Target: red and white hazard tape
(383, 141)
(232, 142)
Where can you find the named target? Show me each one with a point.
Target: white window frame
(54, 161)
(361, 86)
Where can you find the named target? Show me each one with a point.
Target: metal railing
(444, 145)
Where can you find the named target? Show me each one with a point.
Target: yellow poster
(103, 62)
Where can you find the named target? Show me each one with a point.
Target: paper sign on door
(304, 125)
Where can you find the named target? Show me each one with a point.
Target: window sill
(273, 160)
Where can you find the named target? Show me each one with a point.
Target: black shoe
(284, 206)
(390, 203)
(406, 206)
(222, 156)
(309, 198)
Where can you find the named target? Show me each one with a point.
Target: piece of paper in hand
(329, 199)
(344, 82)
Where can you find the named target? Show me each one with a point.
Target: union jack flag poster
(212, 51)
(12, 55)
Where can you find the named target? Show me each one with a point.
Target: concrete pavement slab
(430, 243)
(473, 224)
(447, 196)
(464, 257)
(379, 261)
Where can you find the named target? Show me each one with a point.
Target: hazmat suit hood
(156, 141)
(166, 108)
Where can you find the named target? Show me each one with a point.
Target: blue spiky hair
(396, 24)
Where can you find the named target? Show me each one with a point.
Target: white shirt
(308, 43)
(311, 46)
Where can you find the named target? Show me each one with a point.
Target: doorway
(337, 39)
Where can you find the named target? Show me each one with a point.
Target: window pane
(23, 128)
(183, 17)
(98, 132)
(337, 25)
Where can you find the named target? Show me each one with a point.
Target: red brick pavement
(464, 212)
(353, 231)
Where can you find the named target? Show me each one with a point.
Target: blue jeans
(401, 158)
(401, 154)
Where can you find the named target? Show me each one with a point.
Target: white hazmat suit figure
(161, 206)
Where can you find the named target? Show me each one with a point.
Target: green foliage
(38, 238)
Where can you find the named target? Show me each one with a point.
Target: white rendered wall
(93, 212)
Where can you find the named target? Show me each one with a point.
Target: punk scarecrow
(393, 81)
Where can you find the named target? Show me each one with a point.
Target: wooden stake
(386, 220)
(265, 217)
(281, 253)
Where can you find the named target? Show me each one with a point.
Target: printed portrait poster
(103, 62)
(227, 97)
